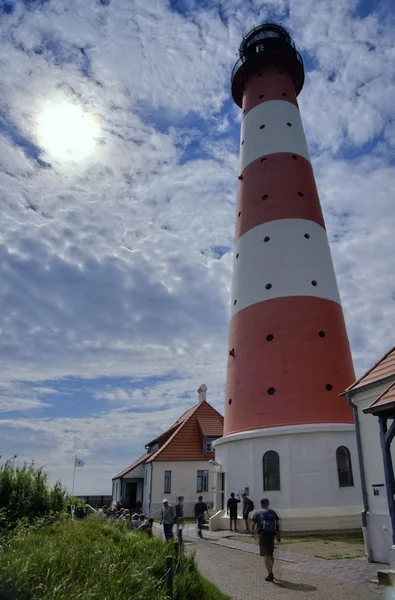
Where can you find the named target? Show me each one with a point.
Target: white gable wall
(379, 524)
(183, 483)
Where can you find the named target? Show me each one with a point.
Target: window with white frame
(208, 443)
(167, 487)
(202, 481)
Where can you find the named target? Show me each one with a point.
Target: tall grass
(25, 495)
(95, 560)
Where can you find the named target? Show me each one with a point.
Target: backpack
(251, 505)
(267, 521)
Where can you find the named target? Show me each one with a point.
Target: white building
(176, 463)
(373, 399)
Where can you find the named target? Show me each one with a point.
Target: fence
(97, 501)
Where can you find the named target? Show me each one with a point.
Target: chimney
(202, 393)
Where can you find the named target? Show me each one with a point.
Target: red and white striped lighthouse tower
(289, 355)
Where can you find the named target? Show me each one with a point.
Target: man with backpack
(267, 524)
(248, 506)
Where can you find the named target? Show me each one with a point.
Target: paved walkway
(238, 570)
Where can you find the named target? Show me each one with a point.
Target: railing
(243, 59)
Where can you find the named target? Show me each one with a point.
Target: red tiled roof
(383, 401)
(184, 439)
(186, 443)
(211, 426)
(385, 367)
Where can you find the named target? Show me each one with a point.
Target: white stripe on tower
(272, 127)
(289, 352)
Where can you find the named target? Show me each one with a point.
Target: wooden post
(179, 535)
(386, 438)
(169, 571)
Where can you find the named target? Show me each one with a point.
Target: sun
(67, 132)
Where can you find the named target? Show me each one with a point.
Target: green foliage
(25, 495)
(95, 560)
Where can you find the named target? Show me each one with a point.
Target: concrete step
(386, 576)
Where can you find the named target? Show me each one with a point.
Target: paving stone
(238, 570)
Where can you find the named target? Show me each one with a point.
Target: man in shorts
(231, 510)
(266, 523)
(248, 506)
(201, 509)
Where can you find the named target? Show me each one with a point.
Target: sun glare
(66, 132)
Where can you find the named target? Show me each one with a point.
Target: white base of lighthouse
(310, 497)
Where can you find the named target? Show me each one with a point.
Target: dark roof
(385, 401)
(383, 369)
(184, 439)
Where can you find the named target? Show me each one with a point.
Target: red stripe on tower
(289, 351)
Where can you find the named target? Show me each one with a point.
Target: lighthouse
(288, 435)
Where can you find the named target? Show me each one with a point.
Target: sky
(118, 174)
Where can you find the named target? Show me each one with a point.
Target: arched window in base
(271, 471)
(344, 467)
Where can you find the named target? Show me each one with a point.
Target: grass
(95, 560)
(330, 546)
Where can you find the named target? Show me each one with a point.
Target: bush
(26, 494)
(95, 560)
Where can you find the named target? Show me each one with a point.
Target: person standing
(200, 511)
(167, 518)
(231, 510)
(180, 517)
(180, 512)
(266, 523)
(248, 506)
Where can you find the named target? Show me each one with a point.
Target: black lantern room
(266, 45)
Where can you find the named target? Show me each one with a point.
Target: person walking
(200, 511)
(180, 517)
(266, 523)
(231, 510)
(167, 518)
(180, 512)
(248, 506)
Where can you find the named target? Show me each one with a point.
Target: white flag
(78, 462)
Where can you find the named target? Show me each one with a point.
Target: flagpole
(75, 460)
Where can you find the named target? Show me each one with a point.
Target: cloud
(119, 265)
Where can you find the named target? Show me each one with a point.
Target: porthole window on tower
(344, 467)
(271, 471)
